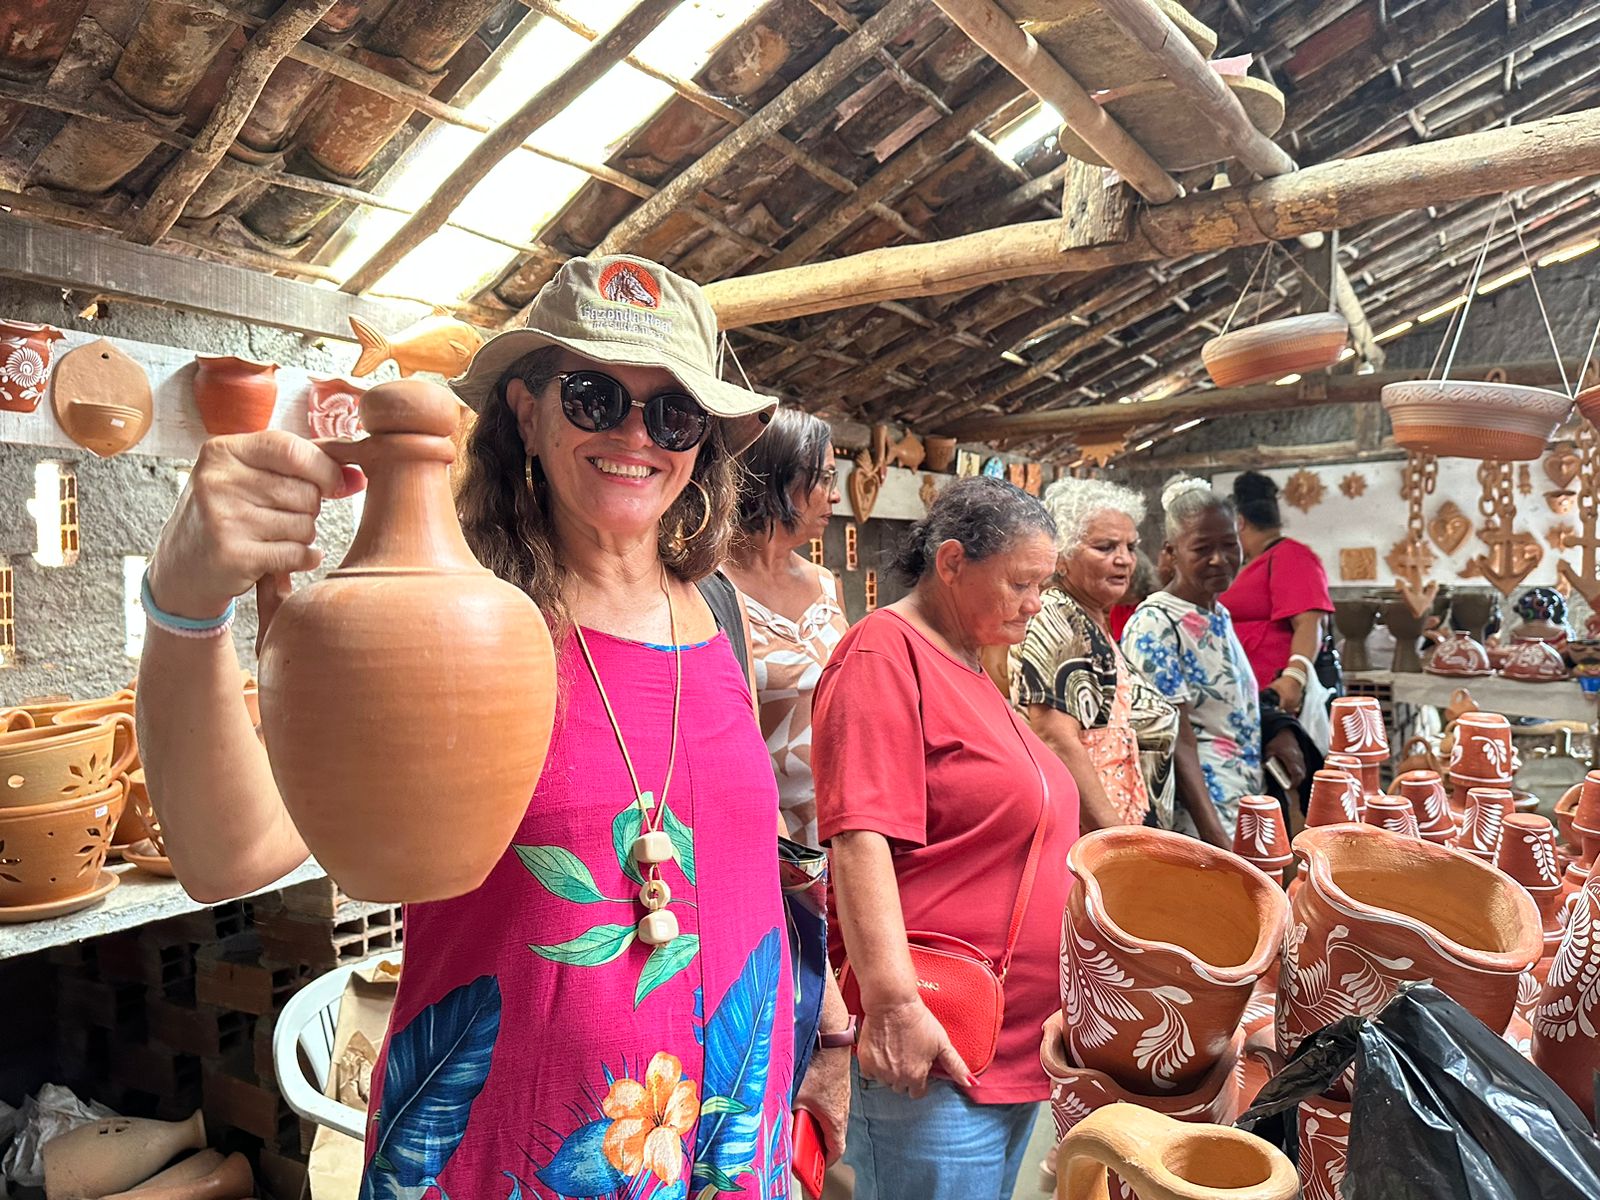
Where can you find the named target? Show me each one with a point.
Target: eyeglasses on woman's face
(595, 402)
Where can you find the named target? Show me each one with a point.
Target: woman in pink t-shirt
(931, 790)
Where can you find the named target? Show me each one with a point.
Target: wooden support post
(1320, 266)
(1097, 208)
(1330, 195)
(267, 48)
(1361, 336)
(997, 32)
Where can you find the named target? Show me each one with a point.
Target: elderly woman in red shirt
(946, 818)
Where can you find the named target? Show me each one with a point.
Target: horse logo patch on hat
(629, 283)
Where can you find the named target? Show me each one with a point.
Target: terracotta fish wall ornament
(439, 344)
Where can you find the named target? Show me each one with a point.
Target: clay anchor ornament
(1583, 581)
(1512, 556)
(1410, 559)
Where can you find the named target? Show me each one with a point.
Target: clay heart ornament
(1561, 466)
(863, 486)
(1449, 528)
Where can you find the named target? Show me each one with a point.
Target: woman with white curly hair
(1114, 732)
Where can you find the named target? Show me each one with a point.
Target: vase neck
(409, 520)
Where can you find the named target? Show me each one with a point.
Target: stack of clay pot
(126, 1157)
(1431, 803)
(61, 795)
(1163, 943)
(1480, 757)
(1378, 909)
(1358, 731)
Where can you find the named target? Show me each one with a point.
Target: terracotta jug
(102, 398)
(114, 1154)
(1163, 1159)
(1151, 994)
(1378, 910)
(234, 395)
(410, 691)
(25, 353)
(203, 1176)
(1260, 837)
(1425, 791)
(1566, 1020)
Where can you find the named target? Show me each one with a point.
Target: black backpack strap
(723, 600)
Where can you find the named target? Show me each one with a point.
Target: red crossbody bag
(957, 981)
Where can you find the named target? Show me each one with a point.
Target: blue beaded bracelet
(183, 626)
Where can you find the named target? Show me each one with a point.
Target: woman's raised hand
(249, 511)
(900, 1045)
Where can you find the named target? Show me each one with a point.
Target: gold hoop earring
(527, 472)
(680, 540)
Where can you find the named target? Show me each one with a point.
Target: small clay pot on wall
(234, 395)
(25, 354)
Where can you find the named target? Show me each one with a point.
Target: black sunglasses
(595, 402)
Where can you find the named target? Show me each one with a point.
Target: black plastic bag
(1442, 1109)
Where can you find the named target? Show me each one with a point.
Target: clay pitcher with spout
(407, 698)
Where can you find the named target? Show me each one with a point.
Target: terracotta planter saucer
(1273, 349)
(1474, 418)
(142, 855)
(103, 887)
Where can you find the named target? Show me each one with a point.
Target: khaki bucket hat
(621, 309)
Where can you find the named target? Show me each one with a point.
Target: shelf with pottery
(1561, 700)
(139, 898)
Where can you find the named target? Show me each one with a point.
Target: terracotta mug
(1425, 791)
(1482, 750)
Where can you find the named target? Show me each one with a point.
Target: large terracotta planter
(1566, 1020)
(1426, 792)
(1378, 910)
(101, 398)
(1259, 837)
(1151, 994)
(234, 395)
(61, 762)
(1474, 419)
(407, 698)
(1273, 349)
(52, 851)
(26, 351)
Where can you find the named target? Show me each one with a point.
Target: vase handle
(1164, 1159)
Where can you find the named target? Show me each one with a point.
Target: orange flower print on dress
(649, 1120)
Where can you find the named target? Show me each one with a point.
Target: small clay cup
(1481, 754)
(1487, 810)
(1358, 729)
(1527, 853)
(1365, 776)
(1426, 793)
(1393, 813)
(1333, 799)
(1260, 838)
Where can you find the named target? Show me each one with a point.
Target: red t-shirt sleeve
(1299, 582)
(868, 754)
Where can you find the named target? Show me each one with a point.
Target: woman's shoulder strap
(722, 598)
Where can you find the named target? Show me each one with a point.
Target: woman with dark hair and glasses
(609, 1012)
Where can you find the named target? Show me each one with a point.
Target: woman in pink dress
(548, 1040)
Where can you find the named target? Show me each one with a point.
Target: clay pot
(1406, 626)
(1163, 1159)
(1393, 813)
(99, 710)
(1527, 853)
(114, 1154)
(1260, 838)
(1566, 809)
(333, 406)
(139, 804)
(15, 718)
(1481, 752)
(1487, 810)
(60, 762)
(1474, 419)
(1426, 793)
(1378, 910)
(203, 1176)
(52, 851)
(1324, 1140)
(941, 452)
(1534, 661)
(26, 351)
(1474, 612)
(1268, 351)
(1355, 620)
(1459, 655)
(1358, 730)
(234, 395)
(43, 712)
(1365, 775)
(1153, 996)
(1335, 799)
(102, 398)
(1566, 1020)
(410, 690)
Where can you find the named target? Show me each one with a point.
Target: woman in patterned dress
(538, 1048)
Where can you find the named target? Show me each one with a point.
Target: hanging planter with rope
(1270, 350)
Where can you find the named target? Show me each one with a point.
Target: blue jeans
(941, 1147)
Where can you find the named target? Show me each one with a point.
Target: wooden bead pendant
(652, 848)
(658, 926)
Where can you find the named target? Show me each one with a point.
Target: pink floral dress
(537, 1050)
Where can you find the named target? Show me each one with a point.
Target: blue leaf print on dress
(738, 1042)
(580, 1167)
(436, 1067)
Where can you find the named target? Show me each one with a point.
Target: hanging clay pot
(114, 1154)
(1273, 349)
(1566, 1020)
(1324, 1141)
(1162, 1159)
(1335, 799)
(52, 851)
(203, 1176)
(1481, 753)
(1393, 813)
(1260, 838)
(1378, 910)
(333, 406)
(1152, 996)
(1425, 791)
(410, 691)
(102, 398)
(1487, 810)
(60, 762)
(234, 395)
(25, 353)
(1474, 419)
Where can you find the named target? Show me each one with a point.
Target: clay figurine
(439, 344)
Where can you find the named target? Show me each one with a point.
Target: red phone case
(810, 1153)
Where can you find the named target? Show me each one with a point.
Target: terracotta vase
(1164, 1159)
(234, 395)
(1260, 838)
(203, 1176)
(51, 851)
(1425, 791)
(1480, 755)
(1324, 1139)
(114, 1154)
(1393, 813)
(941, 452)
(1378, 910)
(1480, 419)
(1355, 620)
(1566, 1020)
(333, 406)
(26, 351)
(1527, 853)
(1268, 351)
(102, 399)
(60, 762)
(1151, 995)
(410, 690)
(1487, 810)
